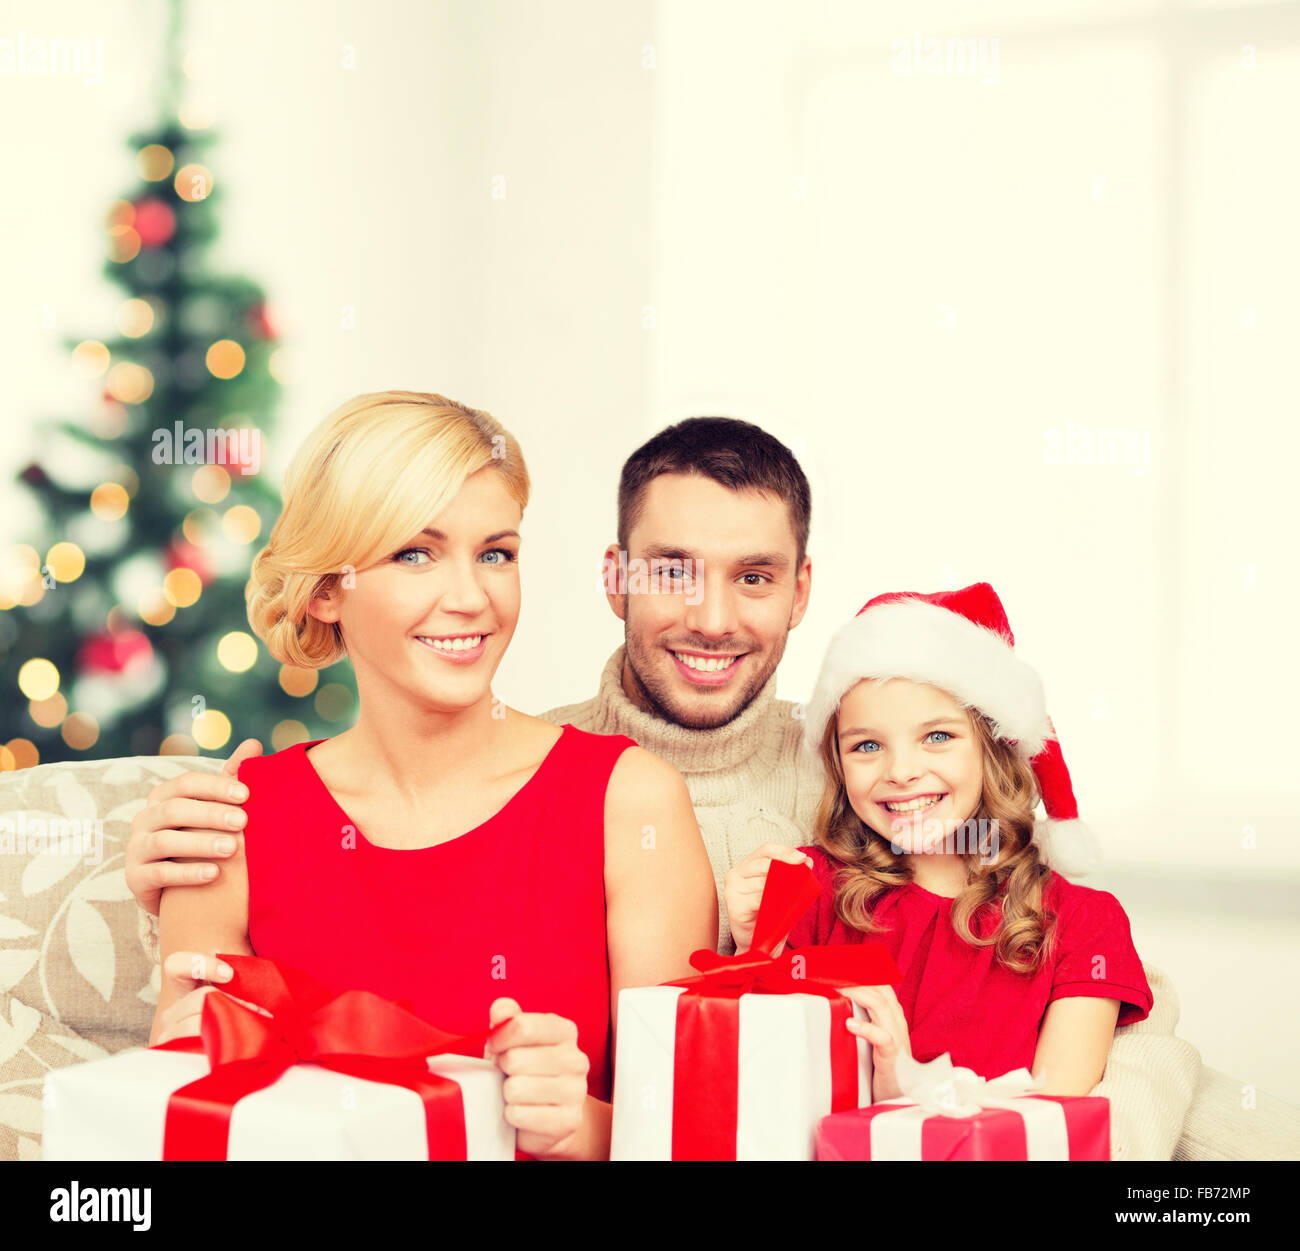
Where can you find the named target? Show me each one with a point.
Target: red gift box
(356, 1033)
(681, 1090)
(997, 1120)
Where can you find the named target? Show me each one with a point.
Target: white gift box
(116, 1108)
(784, 1074)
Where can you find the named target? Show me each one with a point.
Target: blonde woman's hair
(1015, 874)
(371, 475)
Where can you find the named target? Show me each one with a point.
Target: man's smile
(706, 668)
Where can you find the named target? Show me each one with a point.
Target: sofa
(76, 984)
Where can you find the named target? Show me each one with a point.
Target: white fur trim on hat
(1069, 848)
(925, 643)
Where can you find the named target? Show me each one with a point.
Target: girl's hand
(546, 1078)
(193, 977)
(886, 1031)
(742, 888)
(193, 816)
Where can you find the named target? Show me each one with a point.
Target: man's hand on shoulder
(189, 817)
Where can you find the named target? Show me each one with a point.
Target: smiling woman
(385, 463)
(445, 850)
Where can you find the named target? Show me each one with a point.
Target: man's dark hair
(735, 454)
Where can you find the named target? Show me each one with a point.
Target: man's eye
(942, 736)
(762, 576)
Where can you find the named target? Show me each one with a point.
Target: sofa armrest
(1222, 1124)
(1150, 1079)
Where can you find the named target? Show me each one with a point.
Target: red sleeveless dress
(513, 908)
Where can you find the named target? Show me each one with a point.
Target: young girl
(937, 748)
(445, 850)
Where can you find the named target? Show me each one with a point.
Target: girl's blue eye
(409, 551)
(504, 551)
(944, 736)
(867, 742)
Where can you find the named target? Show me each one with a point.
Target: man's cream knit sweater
(750, 784)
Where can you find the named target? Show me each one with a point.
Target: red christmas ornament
(259, 322)
(181, 554)
(114, 653)
(155, 222)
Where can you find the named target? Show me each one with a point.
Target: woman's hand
(545, 1083)
(742, 888)
(886, 1031)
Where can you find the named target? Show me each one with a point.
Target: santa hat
(961, 642)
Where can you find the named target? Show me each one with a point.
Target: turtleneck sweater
(749, 781)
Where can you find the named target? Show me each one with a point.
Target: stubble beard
(660, 695)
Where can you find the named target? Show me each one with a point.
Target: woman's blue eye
(944, 735)
(867, 742)
(408, 551)
(424, 551)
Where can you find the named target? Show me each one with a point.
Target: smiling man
(714, 513)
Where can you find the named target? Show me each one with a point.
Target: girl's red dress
(514, 908)
(958, 998)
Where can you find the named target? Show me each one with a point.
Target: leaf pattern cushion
(31, 1044)
(75, 982)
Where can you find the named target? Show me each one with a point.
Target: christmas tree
(123, 629)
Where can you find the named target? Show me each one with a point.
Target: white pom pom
(1069, 848)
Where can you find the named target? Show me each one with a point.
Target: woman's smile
(459, 649)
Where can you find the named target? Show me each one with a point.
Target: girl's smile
(913, 813)
(911, 803)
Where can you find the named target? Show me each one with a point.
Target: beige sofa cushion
(69, 944)
(31, 1044)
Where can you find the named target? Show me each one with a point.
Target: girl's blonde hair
(1014, 875)
(369, 477)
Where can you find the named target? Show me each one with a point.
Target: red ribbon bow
(357, 1032)
(706, 1058)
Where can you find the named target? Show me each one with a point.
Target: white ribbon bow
(942, 1089)
(939, 1088)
